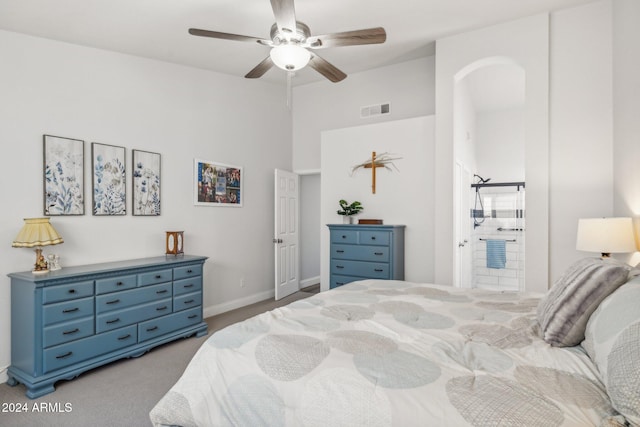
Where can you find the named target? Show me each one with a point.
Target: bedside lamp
(36, 233)
(606, 235)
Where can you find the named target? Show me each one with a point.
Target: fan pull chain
(289, 94)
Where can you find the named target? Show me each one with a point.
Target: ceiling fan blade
(285, 14)
(260, 69)
(326, 69)
(227, 36)
(349, 38)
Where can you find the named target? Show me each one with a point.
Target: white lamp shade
(606, 235)
(290, 57)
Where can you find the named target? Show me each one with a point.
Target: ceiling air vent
(375, 110)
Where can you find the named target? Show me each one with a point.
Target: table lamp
(606, 235)
(36, 233)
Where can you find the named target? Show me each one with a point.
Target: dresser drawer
(128, 316)
(344, 236)
(119, 300)
(360, 252)
(187, 285)
(68, 354)
(155, 277)
(67, 292)
(186, 301)
(65, 332)
(65, 311)
(374, 238)
(371, 270)
(164, 325)
(188, 271)
(113, 284)
(337, 280)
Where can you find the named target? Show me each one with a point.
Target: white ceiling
(158, 28)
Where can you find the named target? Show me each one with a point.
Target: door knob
(277, 240)
(460, 244)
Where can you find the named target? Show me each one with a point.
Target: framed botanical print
(63, 176)
(108, 179)
(217, 184)
(146, 183)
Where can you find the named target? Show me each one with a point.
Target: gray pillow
(564, 311)
(612, 341)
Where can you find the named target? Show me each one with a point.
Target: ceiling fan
(292, 45)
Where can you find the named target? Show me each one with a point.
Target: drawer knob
(189, 301)
(152, 329)
(378, 253)
(116, 320)
(124, 337)
(73, 331)
(70, 310)
(158, 276)
(379, 270)
(339, 266)
(115, 301)
(373, 237)
(189, 271)
(63, 356)
(340, 251)
(344, 237)
(72, 291)
(162, 291)
(164, 307)
(119, 284)
(193, 316)
(190, 285)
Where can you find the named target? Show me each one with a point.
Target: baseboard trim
(3, 375)
(237, 303)
(310, 281)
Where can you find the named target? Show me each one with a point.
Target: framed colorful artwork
(146, 183)
(63, 176)
(217, 184)
(108, 179)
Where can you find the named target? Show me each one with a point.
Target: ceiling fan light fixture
(290, 57)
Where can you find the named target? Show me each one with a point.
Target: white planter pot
(347, 219)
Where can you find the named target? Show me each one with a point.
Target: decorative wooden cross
(373, 166)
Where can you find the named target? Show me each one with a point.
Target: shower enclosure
(498, 235)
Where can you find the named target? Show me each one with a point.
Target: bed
(395, 353)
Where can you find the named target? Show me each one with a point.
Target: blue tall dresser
(68, 321)
(366, 252)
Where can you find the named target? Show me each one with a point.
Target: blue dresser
(68, 321)
(366, 252)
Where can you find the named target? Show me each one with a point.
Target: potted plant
(348, 209)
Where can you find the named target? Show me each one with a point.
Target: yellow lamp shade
(36, 232)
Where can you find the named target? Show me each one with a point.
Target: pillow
(612, 341)
(564, 311)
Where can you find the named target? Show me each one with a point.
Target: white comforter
(389, 353)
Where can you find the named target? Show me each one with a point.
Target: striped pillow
(564, 311)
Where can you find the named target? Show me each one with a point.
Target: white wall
(524, 42)
(581, 127)
(408, 87)
(500, 145)
(626, 126)
(404, 197)
(309, 229)
(179, 112)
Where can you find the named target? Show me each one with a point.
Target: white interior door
(462, 211)
(287, 233)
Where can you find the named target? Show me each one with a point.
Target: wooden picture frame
(63, 176)
(109, 193)
(217, 184)
(146, 168)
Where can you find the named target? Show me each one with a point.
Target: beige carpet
(123, 392)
